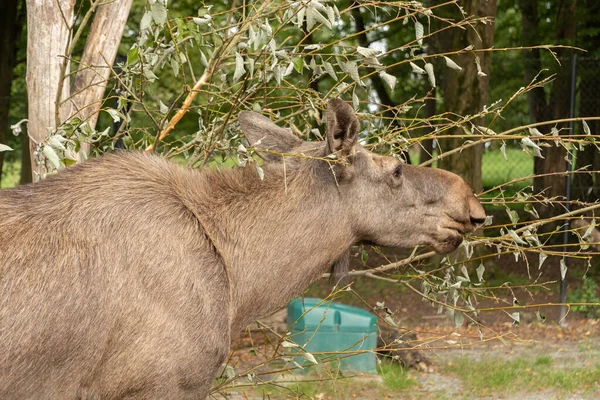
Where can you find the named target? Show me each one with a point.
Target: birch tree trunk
(48, 32)
(51, 100)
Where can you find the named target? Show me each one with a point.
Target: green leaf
(298, 64)
(229, 372)
(513, 215)
(133, 56)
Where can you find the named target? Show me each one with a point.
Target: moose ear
(263, 134)
(342, 128)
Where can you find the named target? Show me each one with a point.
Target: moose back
(125, 276)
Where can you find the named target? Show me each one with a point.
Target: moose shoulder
(125, 276)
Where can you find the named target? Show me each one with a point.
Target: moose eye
(398, 171)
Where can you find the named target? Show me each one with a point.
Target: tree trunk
(12, 13)
(98, 58)
(49, 32)
(465, 92)
(558, 105)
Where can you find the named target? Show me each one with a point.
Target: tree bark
(557, 106)
(97, 61)
(12, 13)
(49, 30)
(465, 93)
(48, 33)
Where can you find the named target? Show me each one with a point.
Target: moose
(126, 276)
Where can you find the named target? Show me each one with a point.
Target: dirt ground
(575, 342)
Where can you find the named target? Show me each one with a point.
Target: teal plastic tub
(332, 327)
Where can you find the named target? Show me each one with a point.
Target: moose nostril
(477, 221)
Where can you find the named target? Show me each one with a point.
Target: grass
(394, 380)
(496, 170)
(524, 375)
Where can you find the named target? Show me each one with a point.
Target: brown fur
(126, 276)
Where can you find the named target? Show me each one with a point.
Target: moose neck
(275, 235)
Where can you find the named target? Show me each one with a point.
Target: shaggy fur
(126, 276)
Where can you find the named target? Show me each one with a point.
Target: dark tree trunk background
(557, 106)
(465, 93)
(12, 17)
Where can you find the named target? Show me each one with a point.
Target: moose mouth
(449, 242)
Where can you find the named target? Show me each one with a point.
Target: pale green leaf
(159, 13)
(51, 156)
(4, 147)
(239, 67)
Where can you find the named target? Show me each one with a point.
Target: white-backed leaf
(516, 318)
(586, 128)
(146, 21)
(114, 114)
(535, 132)
(480, 270)
(430, 73)
(4, 147)
(388, 318)
(416, 69)
(288, 344)
(239, 67)
(529, 143)
(451, 64)
(351, 69)
(355, 100)
(367, 52)
(51, 156)
(389, 79)
(329, 69)
(419, 33)
(162, 107)
(150, 75)
(159, 13)
(56, 142)
(310, 357)
(503, 151)
(563, 269)
(515, 237)
(542, 258)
